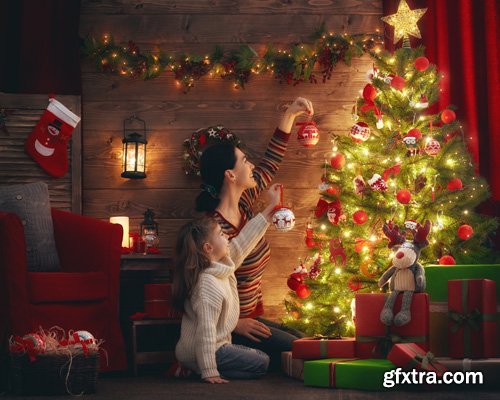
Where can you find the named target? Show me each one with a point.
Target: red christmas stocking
(48, 141)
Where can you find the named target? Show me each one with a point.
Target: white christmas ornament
(380, 123)
(377, 183)
(332, 215)
(432, 147)
(283, 219)
(360, 132)
(86, 336)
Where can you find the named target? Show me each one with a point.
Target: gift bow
(426, 360)
(471, 319)
(392, 171)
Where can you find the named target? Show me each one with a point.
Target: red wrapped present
(410, 356)
(472, 327)
(315, 348)
(374, 339)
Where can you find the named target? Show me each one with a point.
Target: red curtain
(462, 38)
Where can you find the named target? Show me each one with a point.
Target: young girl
(205, 290)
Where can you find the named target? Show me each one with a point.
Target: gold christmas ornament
(405, 21)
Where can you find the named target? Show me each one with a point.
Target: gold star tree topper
(405, 21)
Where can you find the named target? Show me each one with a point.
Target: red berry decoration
(421, 63)
(398, 83)
(465, 232)
(360, 217)
(337, 161)
(448, 116)
(447, 260)
(415, 133)
(455, 184)
(403, 196)
(369, 92)
(303, 291)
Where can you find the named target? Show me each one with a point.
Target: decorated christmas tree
(403, 162)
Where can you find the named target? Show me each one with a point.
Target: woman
(231, 184)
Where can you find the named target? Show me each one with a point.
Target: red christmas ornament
(398, 83)
(447, 260)
(369, 92)
(455, 184)
(432, 147)
(333, 190)
(337, 161)
(465, 232)
(308, 134)
(303, 291)
(294, 281)
(360, 132)
(421, 63)
(448, 116)
(403, 196)
(360, 217)
(415, 133)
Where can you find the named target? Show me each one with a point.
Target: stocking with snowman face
(47, 143)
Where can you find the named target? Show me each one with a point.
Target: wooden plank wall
(17, 167)
(253, 113)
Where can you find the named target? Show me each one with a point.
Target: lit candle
(124, 222)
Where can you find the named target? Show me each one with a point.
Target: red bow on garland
(323, 206)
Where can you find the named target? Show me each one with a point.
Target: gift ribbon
(384, 343)
(323, 343)
(468, 320)
(332, 366)
(426, 360)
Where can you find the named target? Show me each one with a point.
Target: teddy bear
(406, 274)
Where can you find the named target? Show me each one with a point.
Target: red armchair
(84, 295)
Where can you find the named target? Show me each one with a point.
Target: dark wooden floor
(273, 386)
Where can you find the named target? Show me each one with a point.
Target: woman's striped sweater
(249, 275)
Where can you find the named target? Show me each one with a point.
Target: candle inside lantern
(124, 222)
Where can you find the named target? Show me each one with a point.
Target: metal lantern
(134, 148)
(149, 230)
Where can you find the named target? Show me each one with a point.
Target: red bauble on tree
(447, 260)
(354, 283)
(294, 281)
(455, 184)
(421, 63)
(303, 291)
(398, 83)
(308, 134)
(337, 161)
(403, 196)
(360, 132)
(465, 232)
(360, 217)
(448, 116)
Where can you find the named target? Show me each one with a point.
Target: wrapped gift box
(489, 367)
(370, 331)
(437, 277)
(347, 373)
(472, 325)
(410, 356)
(317, 348)
(293, 367)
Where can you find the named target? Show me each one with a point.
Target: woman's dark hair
(190, 259)
(214, 162)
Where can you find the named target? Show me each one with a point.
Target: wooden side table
(137, 270)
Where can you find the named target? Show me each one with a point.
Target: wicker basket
(48, 374)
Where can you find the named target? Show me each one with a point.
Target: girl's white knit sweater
(212, 312)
